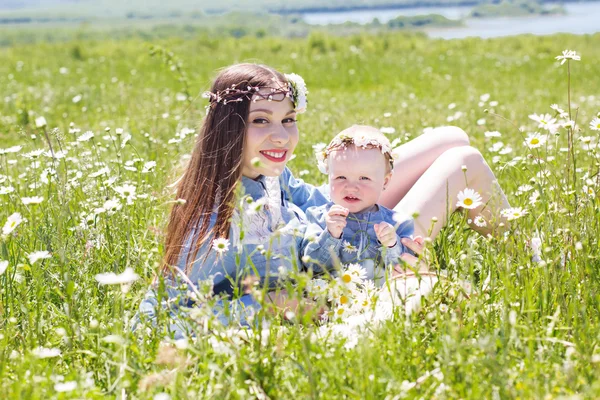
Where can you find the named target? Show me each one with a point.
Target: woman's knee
(462, 156)
(450, 136)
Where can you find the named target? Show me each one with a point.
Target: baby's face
(357, 177)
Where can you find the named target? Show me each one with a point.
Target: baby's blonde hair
(362, 136)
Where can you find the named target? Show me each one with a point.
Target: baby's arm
(318, 244)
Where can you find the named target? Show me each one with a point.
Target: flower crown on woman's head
(294, 88)
(369, 138)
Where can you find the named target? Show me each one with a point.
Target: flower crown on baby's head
(294, 88)
(366, 137)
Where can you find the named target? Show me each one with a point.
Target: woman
(246, 139)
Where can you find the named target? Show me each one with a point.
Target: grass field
(532, 334)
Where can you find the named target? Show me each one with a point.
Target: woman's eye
(289, 121)
(260, 121)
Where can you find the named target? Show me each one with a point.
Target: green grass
(534, 334)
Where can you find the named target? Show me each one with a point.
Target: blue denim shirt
(273, 224)
(358, 242)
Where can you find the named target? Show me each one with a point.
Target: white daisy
(3, 266)
(388, 130)
(468, 199)
(11, 223)
(595, 124)
(14, 149)
(535, 140)
(38, 255)
(568, 55)
(110, 278)
(492, 134)
(6, 189)
(32, 200)
(42, 352)
(352, 275)
(359, 274)
(63, 387)
(40, 122)
(348, 247)
(220, 245)
(86, 136)
(544, 121)
(513, 213)
(480, 221)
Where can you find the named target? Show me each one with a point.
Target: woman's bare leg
(435, 192)
(416, 156)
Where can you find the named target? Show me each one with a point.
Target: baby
(353, 228)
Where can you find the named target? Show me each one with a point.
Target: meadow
(93, 132)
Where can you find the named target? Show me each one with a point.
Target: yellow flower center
(340, 311)
(346, 278)
(535, 141)
(468, 202)
(343, 299)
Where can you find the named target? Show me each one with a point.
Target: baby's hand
(386, 234)
(336, 220)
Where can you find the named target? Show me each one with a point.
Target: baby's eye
(340, 177)
(365, 178)
(260, 121)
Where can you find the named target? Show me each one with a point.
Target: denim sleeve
(174, 304)
(405, 228)
(206, 263)
(391, 255)
(302, 194)
(318, 246)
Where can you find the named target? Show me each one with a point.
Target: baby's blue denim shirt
(358, 242)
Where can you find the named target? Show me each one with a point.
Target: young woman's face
(357, 177)
(271, 138)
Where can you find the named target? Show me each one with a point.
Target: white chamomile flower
(3, 266)
(317, 288)
(110, 278)
(492, 134)
(64, 387)
(38, 255)
(595, 124)
(388, 130)
(544, 121)
(480, 221)
(6, 189)
(349, 247)
(589, 190)
(353, 273)
(513, 213)
(220, 245)
(299, 92)
(568, 55)
(86, 136)
(11, 223)
(468, 199)
(40, 122)
(42, 352)
(535, 140)
(32, 200)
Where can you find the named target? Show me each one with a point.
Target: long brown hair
(211, 176)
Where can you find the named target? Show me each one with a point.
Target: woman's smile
(275, 155)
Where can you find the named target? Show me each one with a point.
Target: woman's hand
(417, 263)
(336, 220)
